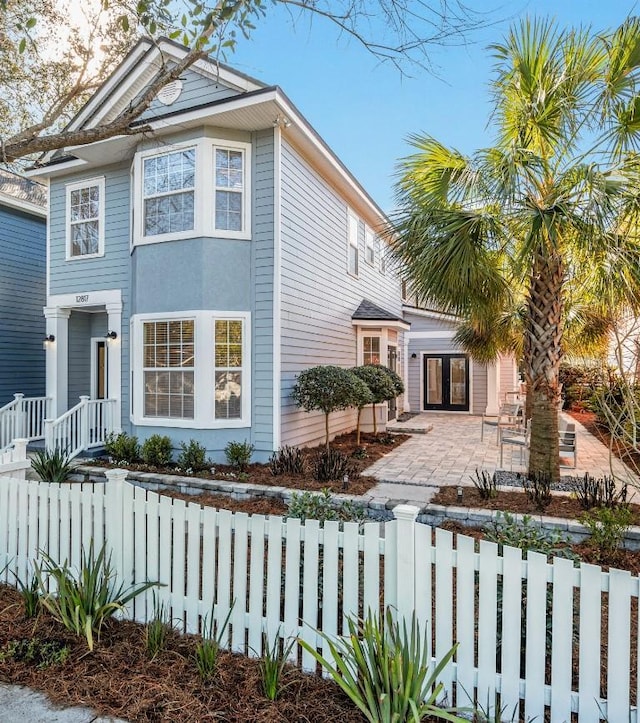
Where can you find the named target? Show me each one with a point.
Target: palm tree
(547, 218)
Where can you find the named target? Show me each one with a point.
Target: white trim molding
(277, 288)
(203, 369)
(21, 205)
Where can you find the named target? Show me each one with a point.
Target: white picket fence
(534, 632)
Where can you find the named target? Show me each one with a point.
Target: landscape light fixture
(111, 335)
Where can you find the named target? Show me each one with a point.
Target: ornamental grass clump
(272, 665)
(384, 669)
(287, 460)
(208, 649)
(83, 600)
(53, 466)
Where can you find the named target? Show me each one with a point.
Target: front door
(392, 363)
(446, 382)
(99, 369)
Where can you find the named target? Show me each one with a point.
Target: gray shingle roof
(371, 312)
(22, 188)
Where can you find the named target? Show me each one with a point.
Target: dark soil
(255, 506)
(371, 449)
(118, 679)
(518, 502)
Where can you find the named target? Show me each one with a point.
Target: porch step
(39, 445)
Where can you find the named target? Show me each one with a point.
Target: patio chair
(568, 439)
(509, 416)
(518, 438)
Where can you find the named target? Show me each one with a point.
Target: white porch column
(114, 361)
(493, 388)
(57, 355)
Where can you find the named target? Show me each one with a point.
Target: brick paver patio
(451, 450)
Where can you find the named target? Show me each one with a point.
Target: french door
(446, 382)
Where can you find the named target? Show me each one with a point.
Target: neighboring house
(23, 218)
(196, 269)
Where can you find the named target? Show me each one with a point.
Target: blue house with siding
(196, 268)
(23, 220)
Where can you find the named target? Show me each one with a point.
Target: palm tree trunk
(543, 340)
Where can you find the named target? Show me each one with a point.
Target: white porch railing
(14, 461)
(82, 427)
(23, 418)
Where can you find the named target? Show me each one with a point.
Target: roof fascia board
(439, 315)
(22, 205)
(375, 323)
(51, 168)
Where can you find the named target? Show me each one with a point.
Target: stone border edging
(430, 514)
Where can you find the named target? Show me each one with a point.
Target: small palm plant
(52, 466)
(82, 601)
(384, 669)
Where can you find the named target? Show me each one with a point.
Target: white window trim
(352, 217)
(204, 192)
(204, 368)
(369, 246)
(76, 186)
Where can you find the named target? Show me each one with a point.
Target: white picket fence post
(114, 501)
(405, 561)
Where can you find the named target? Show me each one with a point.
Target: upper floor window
(194, 189)
(229, 184)
(85, 219)
(369, 249)
(380, 251)
(352, 248)
(169, 193)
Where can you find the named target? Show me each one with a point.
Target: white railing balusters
(80, 428)
(22, 418)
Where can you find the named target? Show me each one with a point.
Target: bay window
(191, 369)
(195, 189)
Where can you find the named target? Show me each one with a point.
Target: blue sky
(365, 110)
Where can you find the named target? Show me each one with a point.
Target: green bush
(528, 536)
(122, 448)
(38, 652)
(384, 669)
(52, 466)
(193, 456)
(579, 383)
(287, 460)
(320, 506)
(157, 451)
(238, 454)
(329, 389)
(82, 601)
(396, 380)
(608, 527)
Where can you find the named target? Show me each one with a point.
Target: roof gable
(205, 80)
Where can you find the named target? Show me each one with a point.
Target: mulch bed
(518, 502)
(371, 449)
(589, 421)
(254, 506)
(118, 679)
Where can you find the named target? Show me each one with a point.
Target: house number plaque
(82, 298)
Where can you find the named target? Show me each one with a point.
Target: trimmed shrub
(156, 451)
(238, 454)
(193, 456)
(381, 387)
(122, 448)
(328, 389)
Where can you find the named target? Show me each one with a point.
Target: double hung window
(85, 219)
(169, 182)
